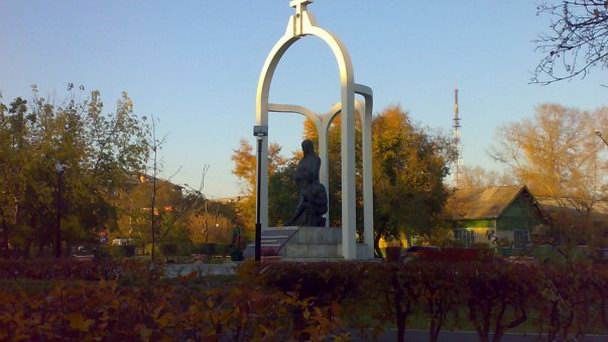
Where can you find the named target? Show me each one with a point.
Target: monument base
(305, 243)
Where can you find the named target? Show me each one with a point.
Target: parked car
(83, 253)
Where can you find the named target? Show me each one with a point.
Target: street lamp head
(59, 167)
(598, 133)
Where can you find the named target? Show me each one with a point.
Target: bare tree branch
(577, 43)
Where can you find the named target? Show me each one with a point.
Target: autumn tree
(213, 222)
(557, 154)
(410, 166)
(577, 41)
(479, 177)
(244, 160)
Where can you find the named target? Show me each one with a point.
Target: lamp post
(259, 131)
(59, 168)
(599, 134)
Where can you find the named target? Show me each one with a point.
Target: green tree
(410, 165)
(98, 151)
(14, 148)
(282, 194)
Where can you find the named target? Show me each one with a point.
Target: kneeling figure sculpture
(312, 204)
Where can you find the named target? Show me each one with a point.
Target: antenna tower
(456, 131)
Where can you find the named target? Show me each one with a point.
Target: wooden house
(500, 213)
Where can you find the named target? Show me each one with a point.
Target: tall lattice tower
(457, 176)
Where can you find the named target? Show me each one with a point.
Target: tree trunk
(400, 327)
(5, 251)
(401, 315)
(408, 239)
(27, 248)
(58, 251)
(435, 328)
(377, 250)
(40, 248)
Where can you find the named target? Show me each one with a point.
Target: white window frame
(464, 235)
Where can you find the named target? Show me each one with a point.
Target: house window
(521, 238)
(467, 237)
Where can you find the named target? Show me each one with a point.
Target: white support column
(349, 223)
(333, 113)
(326, 121)
(368, 188)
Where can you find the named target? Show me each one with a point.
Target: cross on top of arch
(300, 5)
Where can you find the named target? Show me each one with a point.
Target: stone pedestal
(305, 243)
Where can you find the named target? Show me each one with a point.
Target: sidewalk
(175, 270)
(468, 336)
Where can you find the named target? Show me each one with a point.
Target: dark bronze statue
(313, 196)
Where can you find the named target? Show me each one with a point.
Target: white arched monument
(301, 24)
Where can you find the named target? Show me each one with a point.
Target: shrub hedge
(108, 312)
(491, 298)
(303, 301)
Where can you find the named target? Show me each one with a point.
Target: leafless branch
(577, 43)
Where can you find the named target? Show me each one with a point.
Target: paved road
(470, 336)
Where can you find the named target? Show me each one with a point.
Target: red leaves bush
(153, 309)
(302, 301)
(326, 282)
(492, 297)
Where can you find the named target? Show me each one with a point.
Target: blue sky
(195, 65)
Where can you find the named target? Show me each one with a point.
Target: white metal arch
(301, 24)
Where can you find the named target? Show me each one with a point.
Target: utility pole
(456, 135)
